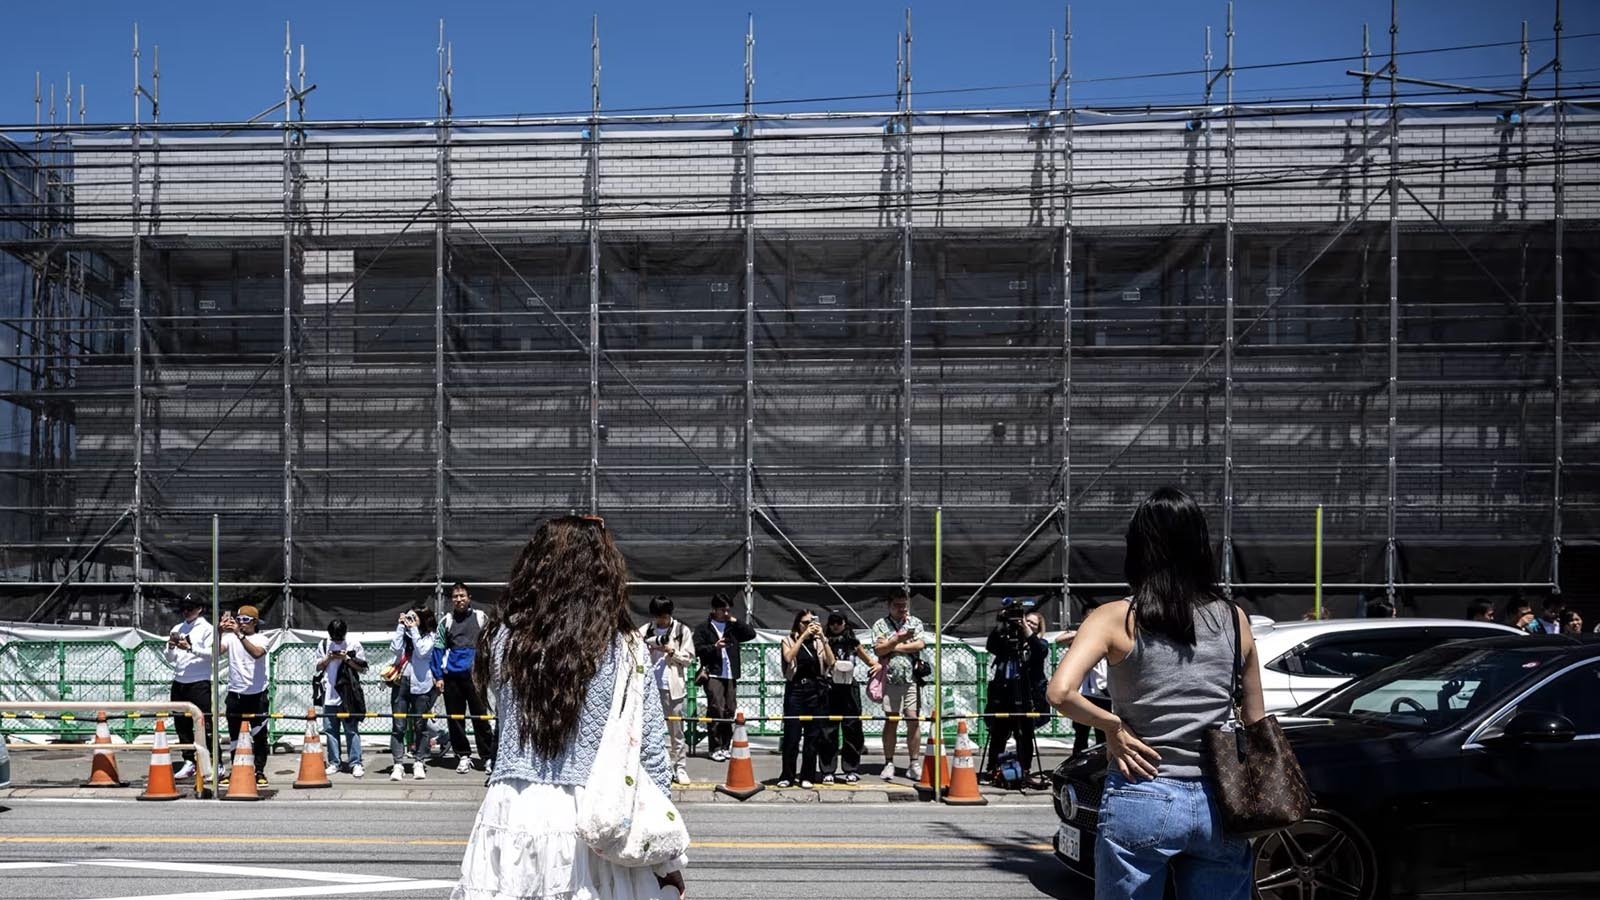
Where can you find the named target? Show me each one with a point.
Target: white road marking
(315, 890)
(188, 868)
(34, 865)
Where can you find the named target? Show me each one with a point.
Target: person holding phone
(716, 646)
(414, 693)
(898, 641)
(671, 651)
(190, 647)
(806, 660)
(247, 684)
(338, 664)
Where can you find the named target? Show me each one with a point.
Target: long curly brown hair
(564, 605)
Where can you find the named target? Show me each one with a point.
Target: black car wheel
(1325, 856)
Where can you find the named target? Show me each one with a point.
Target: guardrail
(12, 711)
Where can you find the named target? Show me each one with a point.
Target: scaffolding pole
(441, 195)
(1559, 386)
(1390, 561)
(1065, 503)
(592, 205)
(906, 397)
(287, 353)
(748, 188)
(1230, 288)
(137, 289)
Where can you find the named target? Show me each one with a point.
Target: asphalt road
(58, 849)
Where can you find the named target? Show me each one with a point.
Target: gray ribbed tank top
(1169, 694)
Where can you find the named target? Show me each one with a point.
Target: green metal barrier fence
(104, 670)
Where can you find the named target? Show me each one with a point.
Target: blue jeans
(1149, 827)
(332, 725)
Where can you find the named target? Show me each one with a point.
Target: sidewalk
(58, 773)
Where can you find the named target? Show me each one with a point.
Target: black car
(1469, 770)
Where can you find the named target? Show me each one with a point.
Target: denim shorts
(1150, 827)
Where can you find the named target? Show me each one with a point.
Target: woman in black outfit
(806, 659)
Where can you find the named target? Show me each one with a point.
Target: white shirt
(330, 675)
(658, 652)
(727, 669)
(246, 674)
(420, 666)
(192, 666)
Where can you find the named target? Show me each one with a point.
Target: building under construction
(768, 346)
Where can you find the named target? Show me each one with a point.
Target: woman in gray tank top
(1170, 652)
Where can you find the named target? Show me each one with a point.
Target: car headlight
(1069, 804)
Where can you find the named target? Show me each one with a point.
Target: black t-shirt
(807, 664)
(844, 645)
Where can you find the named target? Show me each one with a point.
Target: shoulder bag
(318, 688)
(1260, 788)
(623, 815)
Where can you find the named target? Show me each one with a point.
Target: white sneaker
(720, 756)
(888, 772)
(184, 771)
(464, 765)
(914, 772)
(419, 771)
(488, 767)
(331, 770)
(681, 776)
(806, 784)
(397, 773)
(356, 771)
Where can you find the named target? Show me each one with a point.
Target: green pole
(216, 654)
(938, 649)
(1317, 608)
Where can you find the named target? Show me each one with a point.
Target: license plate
(1069, 840)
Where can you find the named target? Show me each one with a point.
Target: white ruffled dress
(525, 846)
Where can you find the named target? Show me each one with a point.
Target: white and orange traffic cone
(964, 772)
(242, 778)
(103, 771)
(741, 781)
(313, 764)
(160, 785)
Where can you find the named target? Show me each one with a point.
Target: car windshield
(1434, 689)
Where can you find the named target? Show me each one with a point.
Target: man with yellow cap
(247, 682)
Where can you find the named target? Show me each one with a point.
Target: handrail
(203, 761)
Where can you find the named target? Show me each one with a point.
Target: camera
(661, 639)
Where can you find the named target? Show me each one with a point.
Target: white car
(1301, 660)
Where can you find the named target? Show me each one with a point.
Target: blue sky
(222, 61)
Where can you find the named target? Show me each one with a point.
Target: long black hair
(1169, 564)
(564, 606)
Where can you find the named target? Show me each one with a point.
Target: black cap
(190, 601)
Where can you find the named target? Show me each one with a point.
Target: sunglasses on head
(593, 520)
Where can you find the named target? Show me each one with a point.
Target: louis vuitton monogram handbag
(1260, 788)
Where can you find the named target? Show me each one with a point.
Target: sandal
(827, 779)
(852, 778)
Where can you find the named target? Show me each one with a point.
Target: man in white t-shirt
(247, 682)
(190, 646)
(333, 655)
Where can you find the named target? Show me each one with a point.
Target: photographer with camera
(413, 691)
(247, 684)
(671, 651)
(806, 659)
(1019, 655)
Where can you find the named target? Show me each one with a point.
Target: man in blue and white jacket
(454, 653)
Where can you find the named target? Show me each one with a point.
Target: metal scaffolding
(1047, 278)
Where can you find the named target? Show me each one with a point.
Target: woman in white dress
(549, 657)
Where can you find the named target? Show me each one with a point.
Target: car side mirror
(1533, 727)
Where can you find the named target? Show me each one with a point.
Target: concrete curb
(689, 795)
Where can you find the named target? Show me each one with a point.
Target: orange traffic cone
(741, 783)
(242, 778)
(964, 772)
(160, 785)
(935, 758)
(103, 771)
(313, 765)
